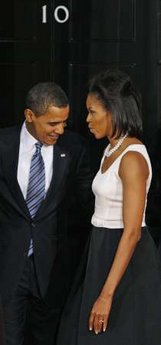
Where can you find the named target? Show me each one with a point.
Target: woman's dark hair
(117, 93)
(43, 95)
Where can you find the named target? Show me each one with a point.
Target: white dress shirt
(26, 151)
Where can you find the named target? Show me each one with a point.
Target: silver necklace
(109, 152)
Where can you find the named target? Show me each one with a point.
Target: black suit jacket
(55, 223)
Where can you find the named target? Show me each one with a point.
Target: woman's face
(99, 119)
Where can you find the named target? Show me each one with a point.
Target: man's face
(48, 127)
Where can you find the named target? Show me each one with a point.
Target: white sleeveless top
(107, 188)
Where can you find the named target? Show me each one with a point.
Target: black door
(70, 40)
(25, 54)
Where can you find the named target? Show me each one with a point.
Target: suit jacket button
(33, 224)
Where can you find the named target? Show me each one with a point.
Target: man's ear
(28, 115)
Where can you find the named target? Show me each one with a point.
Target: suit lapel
(61, 159)
(60, 163)
(9, 163)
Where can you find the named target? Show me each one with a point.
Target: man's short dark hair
(118, 95)
(43, 95)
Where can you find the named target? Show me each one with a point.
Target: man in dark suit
(38, 192)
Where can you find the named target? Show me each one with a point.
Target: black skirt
(135, 317)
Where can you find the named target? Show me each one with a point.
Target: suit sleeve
(82, 198)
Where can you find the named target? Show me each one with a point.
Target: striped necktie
(36, 186)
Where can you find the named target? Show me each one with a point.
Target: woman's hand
(99, 315)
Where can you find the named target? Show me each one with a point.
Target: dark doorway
(70, 40)
(25, 54)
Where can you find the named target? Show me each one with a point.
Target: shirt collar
(27, 140)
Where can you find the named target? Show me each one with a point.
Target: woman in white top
(116, 298)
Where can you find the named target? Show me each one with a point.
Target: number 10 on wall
(59, 10)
